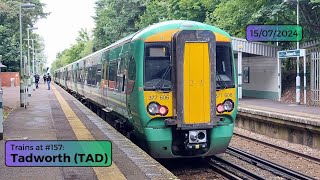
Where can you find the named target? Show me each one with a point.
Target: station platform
(288, 111)
(298, 124)
(56, 115)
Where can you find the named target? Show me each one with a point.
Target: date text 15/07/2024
(274, 33)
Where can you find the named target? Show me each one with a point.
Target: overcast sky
(60, 29)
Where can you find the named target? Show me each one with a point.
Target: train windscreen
(157, 69)
(224, 66)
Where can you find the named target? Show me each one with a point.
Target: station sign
(291, 53)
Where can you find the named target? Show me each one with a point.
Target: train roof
(177, 25)
(159, 27)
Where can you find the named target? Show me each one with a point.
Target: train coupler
(170, 122)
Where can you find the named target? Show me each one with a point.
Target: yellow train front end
(191, 99)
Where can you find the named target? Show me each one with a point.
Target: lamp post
(33, 68)
(22, 81)
(33, 80)
(1, 113)
(298, 70)
(298, 87)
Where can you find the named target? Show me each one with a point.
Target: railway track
(312, 158)
(230, 170)
(263, 164)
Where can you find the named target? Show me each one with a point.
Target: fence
(315, 78)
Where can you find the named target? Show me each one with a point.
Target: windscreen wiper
(163, 77)
(221, 82)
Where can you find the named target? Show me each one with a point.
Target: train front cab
(190, 115)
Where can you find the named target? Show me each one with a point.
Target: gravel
(285, 159)
(191, 169)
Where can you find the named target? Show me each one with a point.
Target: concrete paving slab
(33, 123)
(44, 119)
(275, 107)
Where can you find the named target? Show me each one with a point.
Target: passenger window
(89, 75)
(74, 76)
(98, 73)
(94, 75)
(86, 75)
(105, 71)
(120, 75)
(80, 75)
(112, 74)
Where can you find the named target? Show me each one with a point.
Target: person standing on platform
(48, 81)
(44, 78)
(37, 79)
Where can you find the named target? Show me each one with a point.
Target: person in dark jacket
(48, 80)
(44, 78)
(37, 79)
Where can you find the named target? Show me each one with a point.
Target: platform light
(22, 85)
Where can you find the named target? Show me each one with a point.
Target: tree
(234, 15)
(9, 30)
(158, 11)
(80, 49)
(115, 19)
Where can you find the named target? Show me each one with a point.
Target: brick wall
(6, 77)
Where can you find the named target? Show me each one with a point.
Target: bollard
(1, 115)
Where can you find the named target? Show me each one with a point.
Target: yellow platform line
(82, 133)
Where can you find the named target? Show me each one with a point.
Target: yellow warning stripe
(82, 133)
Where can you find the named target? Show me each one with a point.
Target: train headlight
(228, 105)
(153, 108)
(163, 110)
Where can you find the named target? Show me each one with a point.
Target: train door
(124, 67)
(72, 77)
(111, 84)
(76, 78)
(104, 83)
(120, 87)
(131, 77)
(80, 77)
(65, 77)
(195, 89)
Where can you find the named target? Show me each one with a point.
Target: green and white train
(172, 86)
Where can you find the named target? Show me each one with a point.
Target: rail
(230, 170)
(312, 158)
(267, 165)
